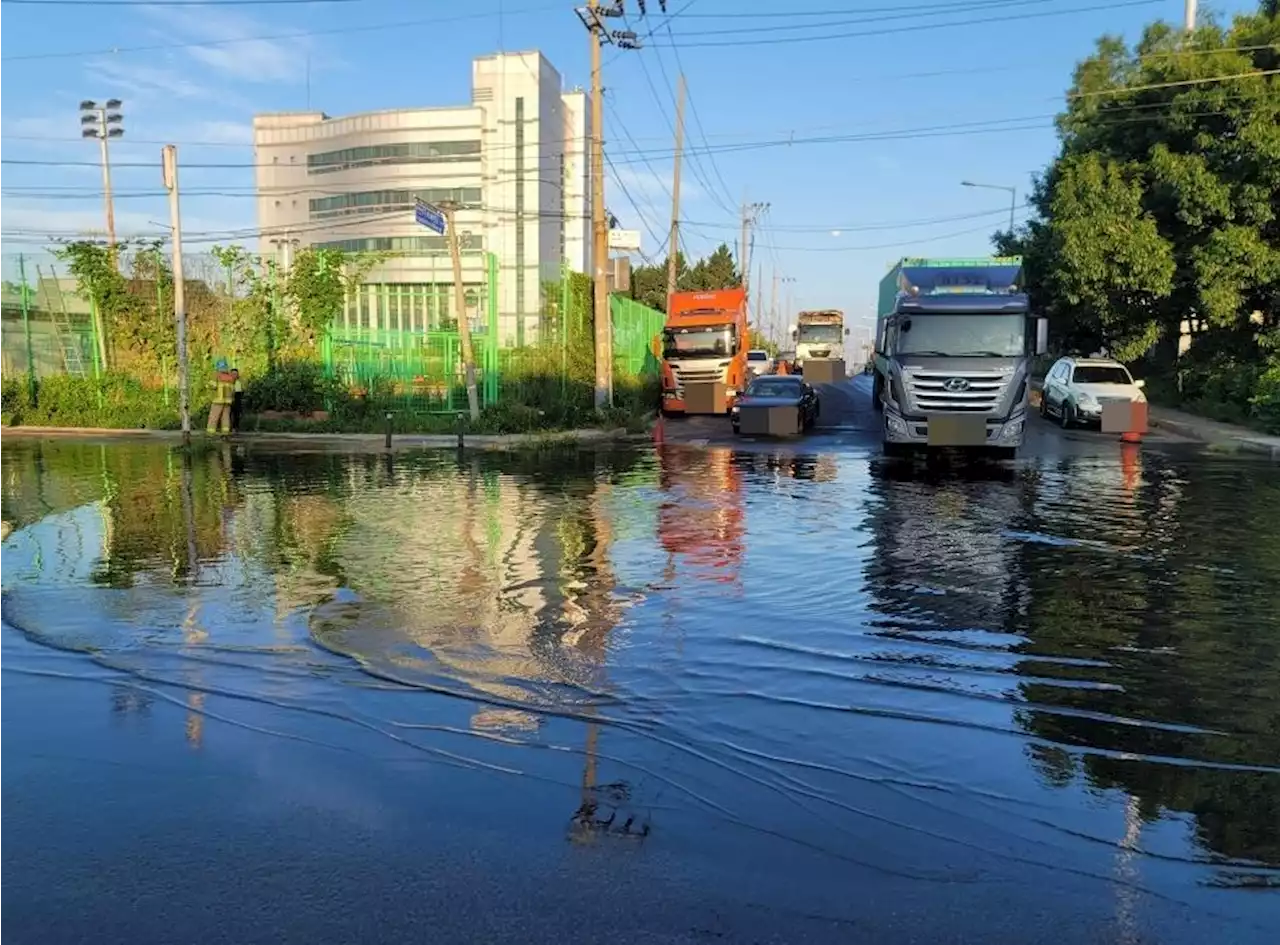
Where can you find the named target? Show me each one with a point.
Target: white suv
(759, 361)
(1075, 389)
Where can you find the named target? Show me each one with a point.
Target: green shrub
(301, 386)
(1266, 400)
(112, 401)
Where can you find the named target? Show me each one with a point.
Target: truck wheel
(877, 390)
(1001, 453)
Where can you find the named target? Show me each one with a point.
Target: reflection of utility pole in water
(192, 635)
(603, 806)
(1126, 873)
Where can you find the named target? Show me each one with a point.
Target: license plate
(957, 431)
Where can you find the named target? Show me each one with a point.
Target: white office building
(514, 161)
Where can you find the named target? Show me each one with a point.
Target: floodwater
(676, 695)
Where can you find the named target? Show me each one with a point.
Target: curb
(483, 441)
(1245, 444)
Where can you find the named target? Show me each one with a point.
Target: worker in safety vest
(223, 396)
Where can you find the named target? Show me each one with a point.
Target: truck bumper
(1006, 433)
(673, 400)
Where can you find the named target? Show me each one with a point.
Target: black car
(780, 390)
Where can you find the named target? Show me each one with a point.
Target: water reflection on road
(792, 683)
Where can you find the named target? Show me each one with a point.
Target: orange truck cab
(704, 341)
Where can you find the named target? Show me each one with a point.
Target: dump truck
(704, 351)
(819, 335)
(953, 349)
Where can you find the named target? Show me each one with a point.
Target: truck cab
(819, 335)
(704, 341)
(953, 349)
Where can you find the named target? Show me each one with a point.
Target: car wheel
(877, 390)
(802, 422)
(1067, 415)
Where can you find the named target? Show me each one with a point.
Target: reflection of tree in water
(1140, 598)
(1181, 608)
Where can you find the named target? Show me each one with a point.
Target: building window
(403, 244)
(416, 152)
(520, 221)
(378, 201)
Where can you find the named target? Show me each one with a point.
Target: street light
(1013, 196)
(102, 120)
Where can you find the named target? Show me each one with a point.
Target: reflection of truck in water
(704, 341)
(701, 519)
(953, 348)
(819, 335)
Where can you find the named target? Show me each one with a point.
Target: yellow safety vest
(222, 392)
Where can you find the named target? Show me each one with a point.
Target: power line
(887, 15)
(916, 27)
(173, 3)
(297, 34)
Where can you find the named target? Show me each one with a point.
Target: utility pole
(673, 241)
(773, 303)
(750, 216)
(460, 307)
(593, 17)
(103, 122)
(1189, 15)
(170, 161)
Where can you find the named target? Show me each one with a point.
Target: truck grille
(684, 376)
(934, 391)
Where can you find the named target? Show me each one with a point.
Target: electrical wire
(297, 34)
(914, 28)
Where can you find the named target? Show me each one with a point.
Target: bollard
(460, 421)
(388, 440)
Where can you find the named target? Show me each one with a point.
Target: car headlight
(1086, 398)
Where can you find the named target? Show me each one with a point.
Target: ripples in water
(1059, 665)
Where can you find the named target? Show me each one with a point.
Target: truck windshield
(712, 341)
(959, 336)
(828, 334)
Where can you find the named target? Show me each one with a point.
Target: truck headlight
(1011, 430)
(895, 425)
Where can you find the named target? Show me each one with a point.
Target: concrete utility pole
(593, 17)
(750, 216)
(460, 307)
(1189, 15)
(673, 241)
(170, 162)
(104, 123)
(773, 303)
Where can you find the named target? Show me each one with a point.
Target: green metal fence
(394, 342)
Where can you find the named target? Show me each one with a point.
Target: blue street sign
(429, 216)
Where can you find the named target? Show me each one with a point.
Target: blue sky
(839, 208)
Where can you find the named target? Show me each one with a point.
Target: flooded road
(764, 694)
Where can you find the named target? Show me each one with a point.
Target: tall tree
(717, 271)
(1164, 201)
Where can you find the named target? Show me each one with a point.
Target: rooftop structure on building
(514, 161)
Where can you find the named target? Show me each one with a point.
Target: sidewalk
(357, 442)
(1224, 435)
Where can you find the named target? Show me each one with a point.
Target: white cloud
(136, 82)
(240, 53)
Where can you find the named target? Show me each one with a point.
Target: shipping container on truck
(953, 349)
(704, 341)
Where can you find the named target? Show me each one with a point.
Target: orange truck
(704, 341)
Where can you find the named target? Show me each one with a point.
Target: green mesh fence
(637, 330)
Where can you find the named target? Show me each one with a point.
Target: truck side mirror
(1042, 335)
